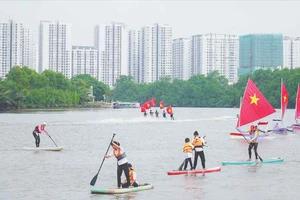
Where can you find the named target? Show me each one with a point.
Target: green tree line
(25, 88)
(212, 90)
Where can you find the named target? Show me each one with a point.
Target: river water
(152, 145)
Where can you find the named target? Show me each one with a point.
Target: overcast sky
(186, 17)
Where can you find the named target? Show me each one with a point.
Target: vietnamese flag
(284, 99)
(254, 105)
(147, 105)
(169, 110)
(161, 105)
(297, 108)
(153, 102)
(143, 109)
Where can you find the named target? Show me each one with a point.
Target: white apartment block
(34, 58)
(133, 54)
(55, 47)
(14, 46)
(291, 52)
(85, 61)
(111, 41)
(155, 52)
(215, 52)
(181, 58)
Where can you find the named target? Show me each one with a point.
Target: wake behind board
(122, 190)
(265, 161)
(59, 148)
(179, 172)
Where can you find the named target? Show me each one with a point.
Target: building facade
(155, 52)
(181, 58)
(260, 51)
(134, 54)
(215, 52)
(291, 52)
(15, 47)
(55, 47)
(85, 61)
(111, 41)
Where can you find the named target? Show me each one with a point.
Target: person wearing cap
(198, 144)
(132, 176)
(37, 131)
(253, 143)
(122, 163)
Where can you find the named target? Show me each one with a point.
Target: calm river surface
(153, 146)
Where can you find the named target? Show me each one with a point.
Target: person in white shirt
(122, 163)
(198, 144)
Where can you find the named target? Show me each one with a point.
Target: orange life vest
(187, 147)
(197, 142)
(118, 154)
(131, 172)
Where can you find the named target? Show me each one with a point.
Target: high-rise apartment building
(181, 58)
(134, 54)
(55, 47)
(85, 61)
(14, 46)
(260, 51)
(291, 52)
(215, 52)
(155, 52)
(111, 41)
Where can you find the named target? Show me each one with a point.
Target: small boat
(179, 172)
(119, 104)
(122, 190)
(59, 148)
(265, 161)
(239, 135)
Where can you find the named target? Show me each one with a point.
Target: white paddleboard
(44, 148)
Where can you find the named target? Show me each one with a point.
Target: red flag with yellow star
(254, 105)
(297, 108)
(284, 99)
(161, 105)
(169, 109)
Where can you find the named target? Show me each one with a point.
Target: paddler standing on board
(37, 131)
(253, 143)
(122, 163)
(198, 144)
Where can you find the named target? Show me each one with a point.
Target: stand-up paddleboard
(122, 190)
(59, 148)
(179, 172)
(265, 161)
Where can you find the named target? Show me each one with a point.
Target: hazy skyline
(187, 18)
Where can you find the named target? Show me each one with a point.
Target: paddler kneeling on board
(122, 163)
(188, 153)
(198, 144)
(37, 131)
(132, 176)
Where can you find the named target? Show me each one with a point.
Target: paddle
(181, 166)
(249, 143)
(52, 139)
(93, 181)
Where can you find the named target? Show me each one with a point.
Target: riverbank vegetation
(25, 88)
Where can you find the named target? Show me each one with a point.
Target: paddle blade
(260, 159)
(93, 181)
